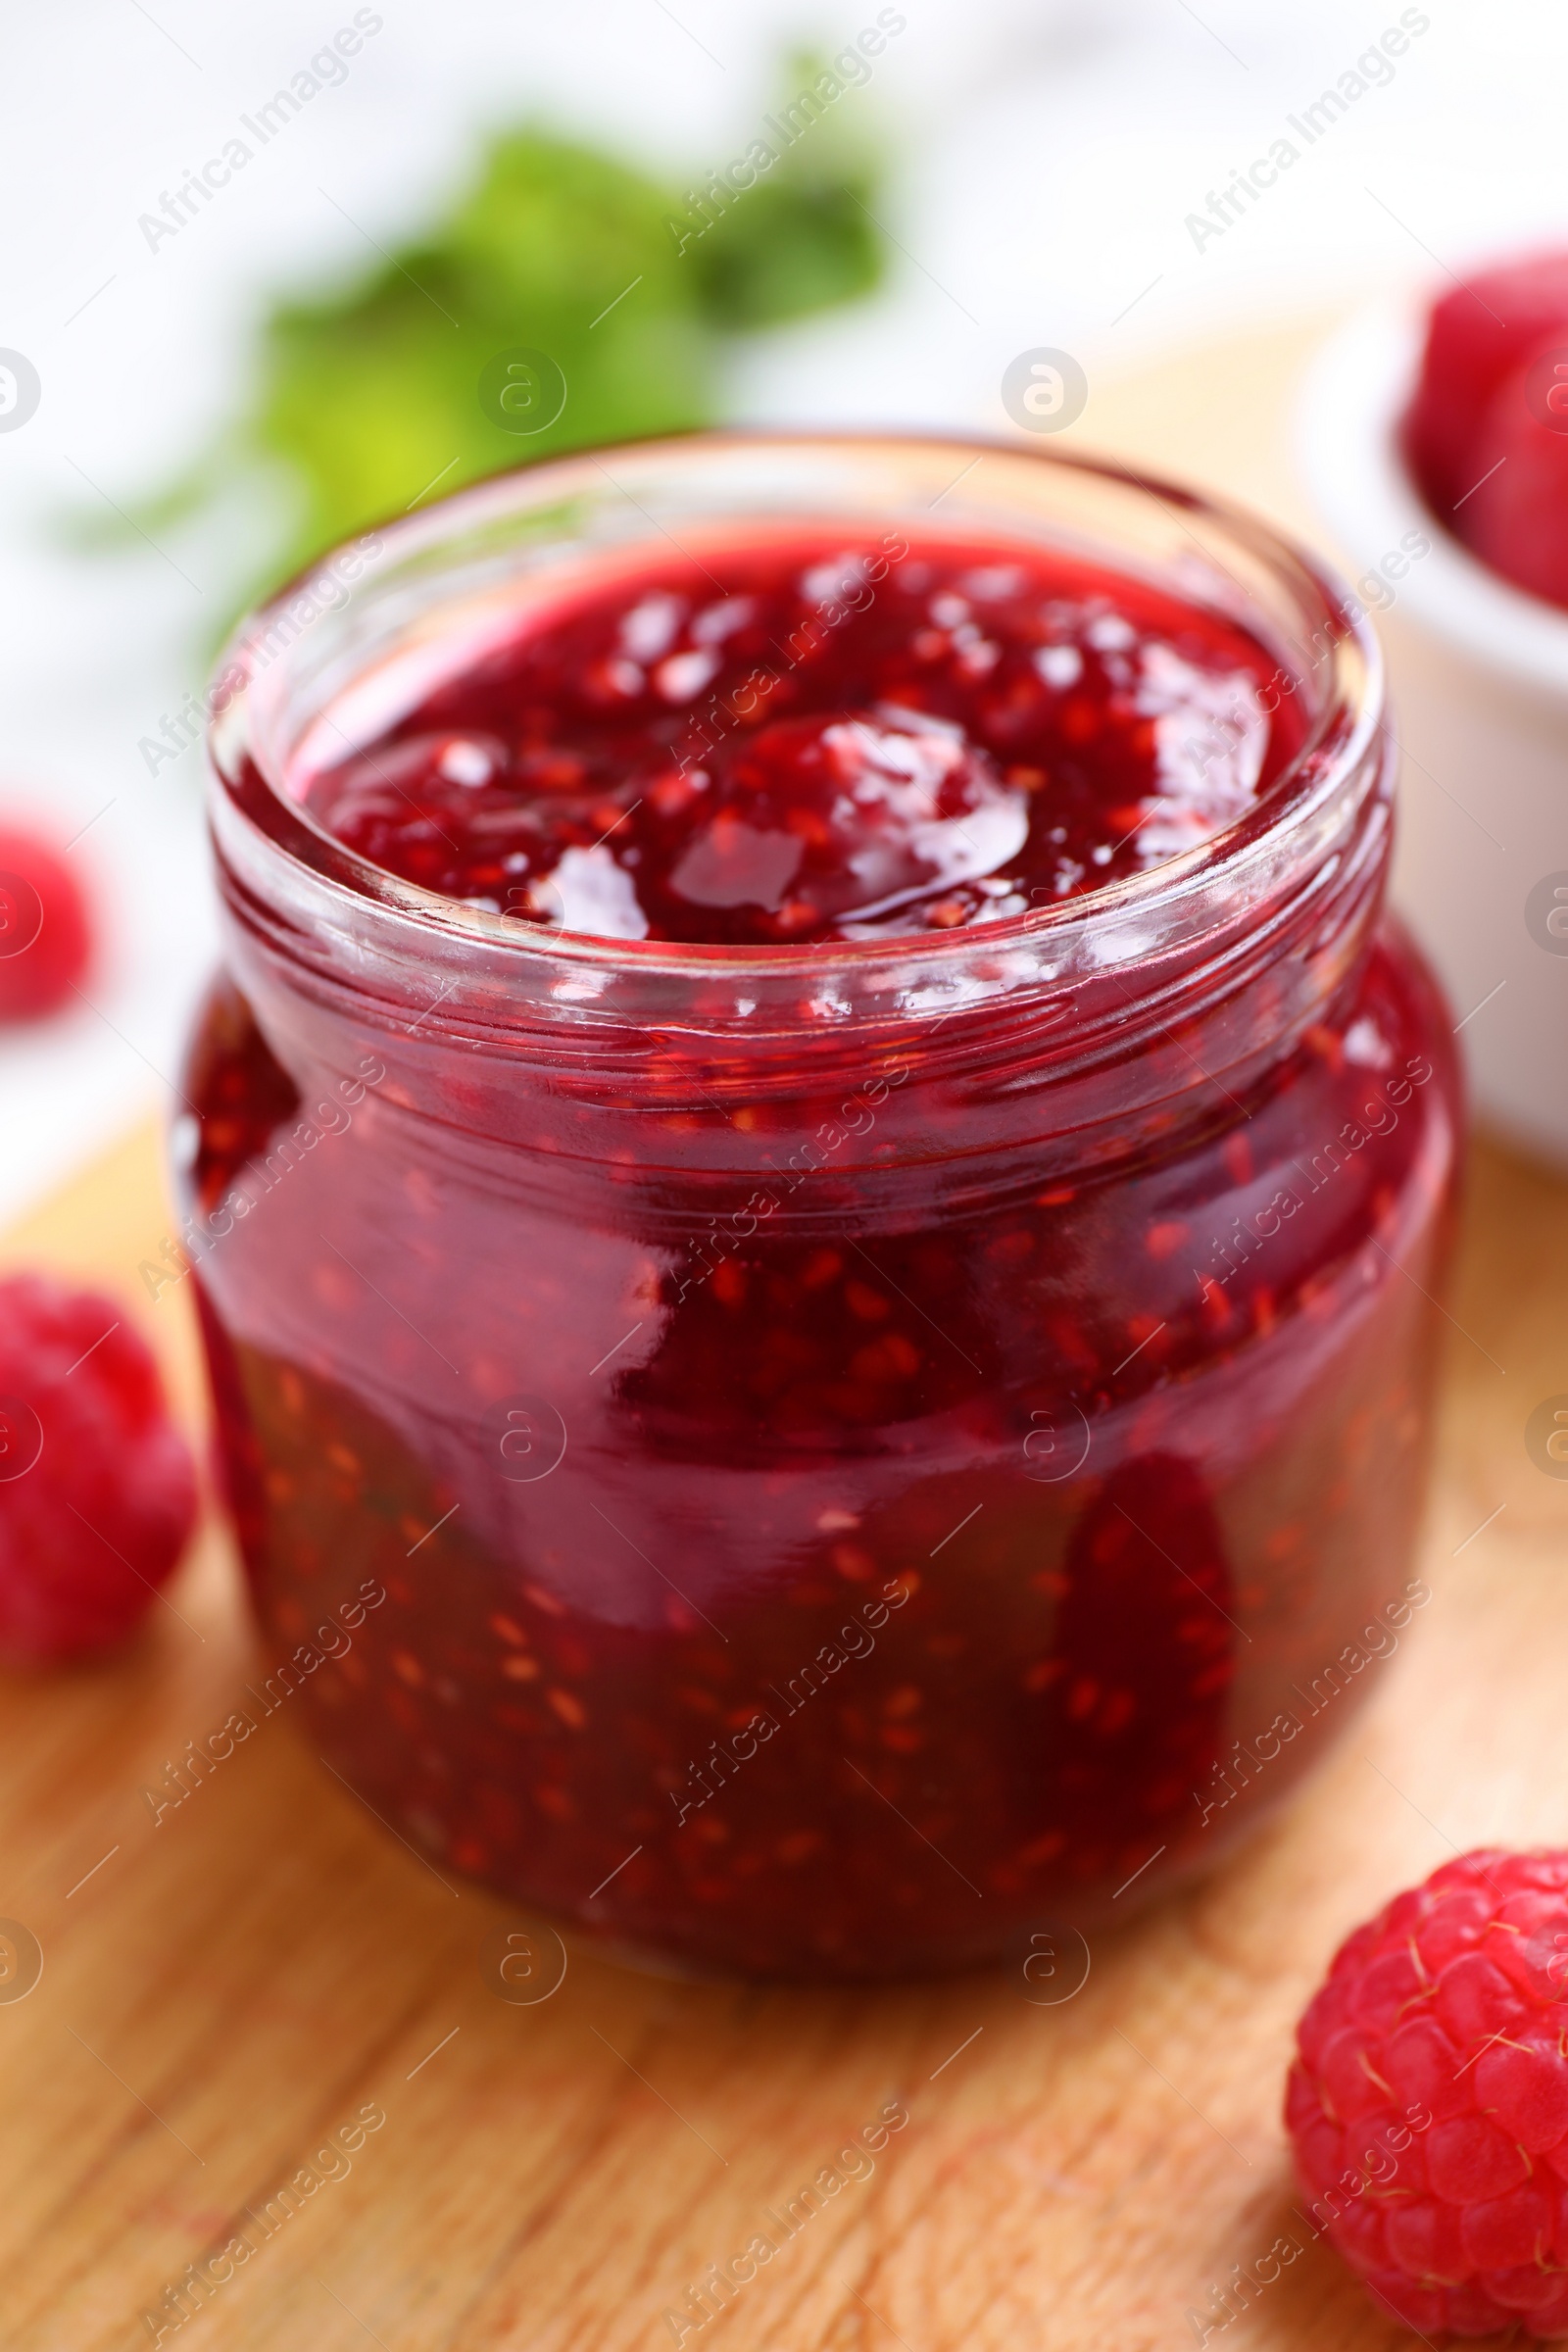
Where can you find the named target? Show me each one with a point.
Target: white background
(1046, 154)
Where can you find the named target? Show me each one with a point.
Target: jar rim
(256, 822)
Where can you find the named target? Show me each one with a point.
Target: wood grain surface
(231, 1996)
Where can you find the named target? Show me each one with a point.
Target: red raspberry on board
(97, 1487)
(45, 938)
(1428, 2105)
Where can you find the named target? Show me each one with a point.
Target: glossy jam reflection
(819, 741)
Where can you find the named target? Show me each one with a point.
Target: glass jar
(816, 1461)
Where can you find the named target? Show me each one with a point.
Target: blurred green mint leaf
(366, 398)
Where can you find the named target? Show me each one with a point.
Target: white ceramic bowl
(1480, 689)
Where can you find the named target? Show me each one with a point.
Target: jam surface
(819, 742)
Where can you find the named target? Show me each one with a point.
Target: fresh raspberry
(45, 939)
(97, 1487)
(1517, 520)
(1429, 2104)
(1477, 335)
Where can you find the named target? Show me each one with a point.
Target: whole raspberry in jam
(97, 1487)
(45, 937)
(1429, 2101)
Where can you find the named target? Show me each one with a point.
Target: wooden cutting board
(246, 1985)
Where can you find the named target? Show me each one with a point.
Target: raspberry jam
(820, 742)
(843, 1227)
